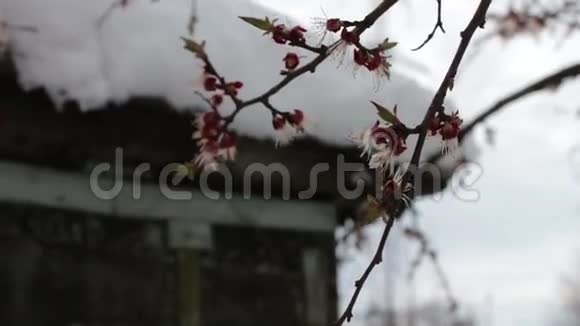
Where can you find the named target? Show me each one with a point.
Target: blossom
(296, 119)
(323, 25)
(449, 133)
(227, 146)
(347, 39)
(206, 126)
(380, 160)
(360, 57)
(393, 189)
(291, 61)
(207, 156)
(288, 127)
(380, 143)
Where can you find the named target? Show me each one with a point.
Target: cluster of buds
(374, 60)
(212, 83)
(282, 34)
(288, 126)
(215, 143)
(449, 127)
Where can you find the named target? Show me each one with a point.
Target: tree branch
(550, 81)
(478, 20)
(377, 259)
(323, 54)
(438, 25)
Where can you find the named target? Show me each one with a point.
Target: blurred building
(68, 257)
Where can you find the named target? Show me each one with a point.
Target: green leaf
(386, 45)
(186, 169)
(194, 47)
(385, 114)
(263, 24)
(373, 210)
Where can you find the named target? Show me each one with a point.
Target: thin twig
(438, 25)
(377, 259)
(548, 82)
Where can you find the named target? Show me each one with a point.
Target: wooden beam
(33, 185)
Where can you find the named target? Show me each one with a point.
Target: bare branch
(549, 82)
(438, 25)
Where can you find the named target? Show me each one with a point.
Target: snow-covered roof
(137, 51)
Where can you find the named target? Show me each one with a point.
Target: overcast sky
(511, 246)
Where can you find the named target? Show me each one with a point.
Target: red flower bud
(451, 128)
(291, 60)
(374, 61)
(278, 122)
(217, 100)
(296, 118)
(228, 140)
(210, 83)
(360, 57)
(209, 132)
(238, 84)
(435, 125)
(349, 37)
(448, 131)
(211, 119)
(297, 34)
(334, 25)
(210, 147)
(279, 34)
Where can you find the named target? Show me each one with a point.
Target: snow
(137, 51)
